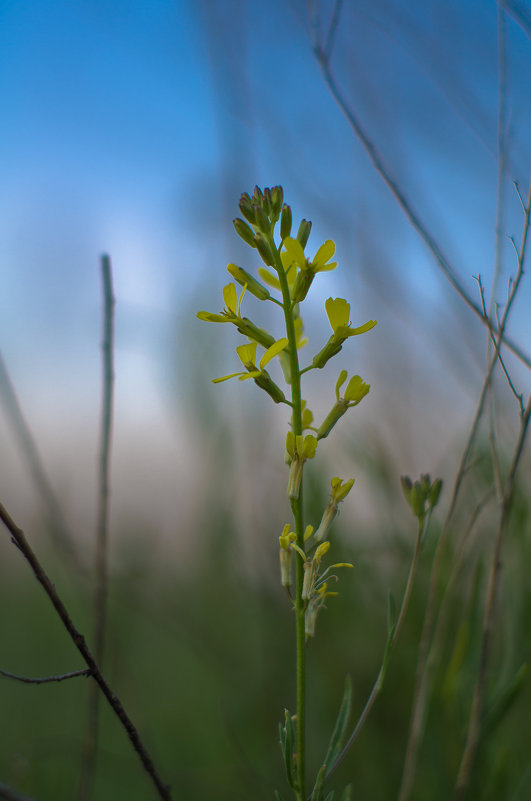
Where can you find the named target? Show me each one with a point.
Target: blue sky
(132, 127)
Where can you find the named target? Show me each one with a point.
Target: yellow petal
(230, 296)
(338, 311)
(273, 351)
(247, 353)
(340, 381)
(226, 378)
(212, 318)
(362, 328)
(294, 250)
(268, 278)
(324, 254)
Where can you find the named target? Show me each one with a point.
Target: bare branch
(332, 30)
(520, 14)
(46, 679)
(404, 203)
(430, 619)
(19, 539)
(472, 740)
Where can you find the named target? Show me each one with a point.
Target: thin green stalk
(90, 747)
(297, 510)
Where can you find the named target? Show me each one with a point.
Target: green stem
(297, 510)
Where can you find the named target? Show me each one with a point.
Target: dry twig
(19, 539)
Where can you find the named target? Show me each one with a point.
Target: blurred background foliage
(201, 101)
(201, 654)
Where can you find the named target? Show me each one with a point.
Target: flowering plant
(285, 280)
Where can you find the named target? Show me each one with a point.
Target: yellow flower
(354, 393)
(338, 311)
(307, 269)
(247, 356)
(298, 449)
(231, 312)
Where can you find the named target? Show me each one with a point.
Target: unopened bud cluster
(422, 496)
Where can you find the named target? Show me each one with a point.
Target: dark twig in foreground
(45, 679)
(18, 538)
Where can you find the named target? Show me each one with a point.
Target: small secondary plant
(285, 280)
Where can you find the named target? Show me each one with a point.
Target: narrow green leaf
(278, 796)
(317, 793)
(330, 796)
(336, 740)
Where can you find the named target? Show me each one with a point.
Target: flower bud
(407, 486)
(262, 220)
(277, 198)
(246, 279)
(304, 232)
(258, 195)
(285, 221)
(264, 249)
(268, 204)
(418, 500)
(244, 231)
(434, 493)
(247, 208)
(286, 553)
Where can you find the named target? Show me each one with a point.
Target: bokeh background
(131, 128)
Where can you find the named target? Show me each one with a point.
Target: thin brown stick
(19, 539)
(45, 679)
(90, 747)
(404, 203)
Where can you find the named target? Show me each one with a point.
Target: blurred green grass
(202, 659)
